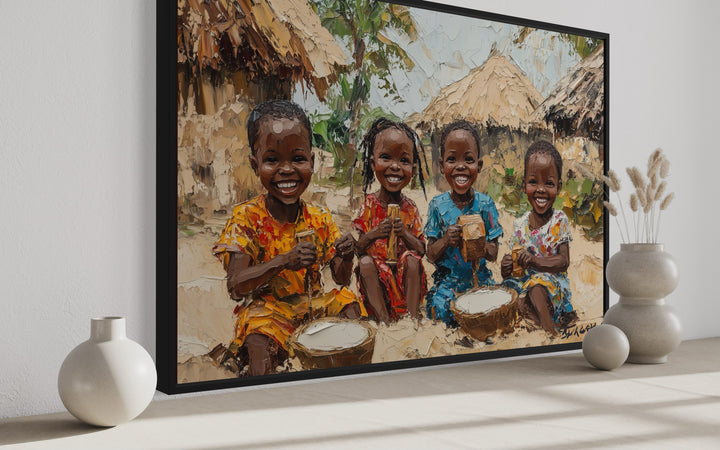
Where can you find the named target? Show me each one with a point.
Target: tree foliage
(583, 46)
(364, 26)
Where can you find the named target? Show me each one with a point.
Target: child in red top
(391, 153)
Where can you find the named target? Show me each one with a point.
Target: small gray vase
(643, 275)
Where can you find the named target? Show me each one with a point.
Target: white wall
(77, 163)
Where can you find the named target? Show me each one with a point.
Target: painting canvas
(512, 82)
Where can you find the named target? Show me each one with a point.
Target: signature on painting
(576, 330)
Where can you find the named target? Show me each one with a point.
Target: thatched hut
(258, 49)
(496, 96)
(233, 54)
(575, 105)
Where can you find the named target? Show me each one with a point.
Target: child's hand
(453, 236)
(303, 255)
(383, 229)
(506, 266)
(525, 259)
(345, 246)
(399, 227)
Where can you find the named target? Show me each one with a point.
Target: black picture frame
(168, 92)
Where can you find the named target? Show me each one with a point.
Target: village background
(426, 68)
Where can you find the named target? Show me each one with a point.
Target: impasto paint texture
(348, 64)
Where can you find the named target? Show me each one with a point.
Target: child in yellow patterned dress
(270, 273)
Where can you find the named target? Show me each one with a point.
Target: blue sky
(450, 46)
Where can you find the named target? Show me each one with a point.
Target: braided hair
(367, 146)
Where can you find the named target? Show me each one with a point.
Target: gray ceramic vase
(643, 275)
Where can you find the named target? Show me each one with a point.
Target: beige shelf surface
(551, 401)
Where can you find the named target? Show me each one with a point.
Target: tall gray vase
(643, 275)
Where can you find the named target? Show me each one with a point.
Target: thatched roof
(278, 38)
(496, 93)
(575, 105)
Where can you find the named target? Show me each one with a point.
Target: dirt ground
(205, 317)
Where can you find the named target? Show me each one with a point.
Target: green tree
(363, 25)
(581, 45)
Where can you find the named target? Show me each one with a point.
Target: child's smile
(541, 184)
(460, 162)
(282, 158)
(393, 159)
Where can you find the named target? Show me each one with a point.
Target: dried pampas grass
(614, 178)
(645, 201)
(666, 202)
(583, 171)
(665, 169)
(611, 208)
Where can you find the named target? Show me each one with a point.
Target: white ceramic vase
(108, 379)
(643, 275)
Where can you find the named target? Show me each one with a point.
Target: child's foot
(465, 342)
(567, 319)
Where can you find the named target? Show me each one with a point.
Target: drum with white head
(486, 311)
(333, 342)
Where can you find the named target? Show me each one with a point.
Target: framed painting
(347, 187)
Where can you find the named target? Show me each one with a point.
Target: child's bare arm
(551, 264)
(491, 250)
(436, 247)
(506, 266)
(342, 263)
(244, 278)
(411, 241)
(366, 239)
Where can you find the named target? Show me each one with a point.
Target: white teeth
(541, 201)
(286, 185)
(394, 179)
(461, 180)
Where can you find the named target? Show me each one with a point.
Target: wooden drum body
(484, 312)
(473, 237)
(333, 342)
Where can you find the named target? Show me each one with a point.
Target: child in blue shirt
(460, 162)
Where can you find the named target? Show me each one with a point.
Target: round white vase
(643, 275)
(108, 379)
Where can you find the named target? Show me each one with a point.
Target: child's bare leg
(351, 311)
(373, 289)
(527, 310)
(260, 354)
(412, 286)
(540, 301)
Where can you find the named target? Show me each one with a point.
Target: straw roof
(496, 93)
(279, 38)
(575, 105)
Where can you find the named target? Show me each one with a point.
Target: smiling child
(391, 152)
(544, 236)
(460, 162)
(269, 273)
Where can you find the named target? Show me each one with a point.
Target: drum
(484, 312)
(473, 237)
(333, 342)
